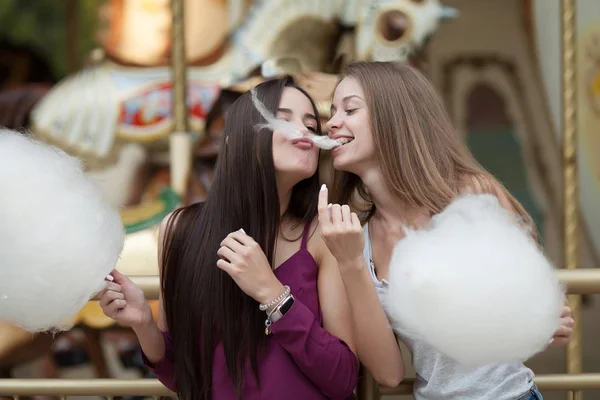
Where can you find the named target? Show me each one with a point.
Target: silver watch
(282, 309)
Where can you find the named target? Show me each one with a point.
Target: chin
(303, 174)
(293, 176)
(339, 164)
(355, 163)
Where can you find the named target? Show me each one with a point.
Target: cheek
(280, 154)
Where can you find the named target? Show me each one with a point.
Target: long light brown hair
(423, 161)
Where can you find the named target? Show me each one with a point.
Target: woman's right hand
(124, 302)
(341, 230)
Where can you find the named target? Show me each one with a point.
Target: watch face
(286, 306)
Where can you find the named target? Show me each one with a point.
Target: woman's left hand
(563, 334)
(243, 259)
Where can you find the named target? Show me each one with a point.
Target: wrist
(146, 321)
(270, 296)
(352, 264)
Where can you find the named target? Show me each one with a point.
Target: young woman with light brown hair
(402, 164)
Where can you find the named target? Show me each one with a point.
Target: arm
(376, 343)
(155, 342)
(324, 354)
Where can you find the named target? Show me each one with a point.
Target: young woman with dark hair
(252, 302)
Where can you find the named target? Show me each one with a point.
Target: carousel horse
(115, 114)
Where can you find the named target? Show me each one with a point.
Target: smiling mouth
(344, 140)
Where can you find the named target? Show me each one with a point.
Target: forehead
(347, 87)
(295, 100)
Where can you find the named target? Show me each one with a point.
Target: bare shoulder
(486, 184)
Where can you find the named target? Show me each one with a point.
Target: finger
(227, 254)
(113, 286)
(346, 217)
(322, 204)
(225, 266)
(232, 243)
(101, 293)
(567, 321)
(109, 286)
(114, 307)
(241, 237)
(559, 342)
(110, 296)
(566, 311)
(563, 331)
(336, 215)
(356, 221)
(118, 277)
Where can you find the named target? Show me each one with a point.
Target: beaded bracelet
(286, 292)
(279, 303)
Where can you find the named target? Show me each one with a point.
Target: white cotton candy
(58, 238)
(474, 285)
(287, 128)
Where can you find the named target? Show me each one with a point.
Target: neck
(285, 194)
(390, 209)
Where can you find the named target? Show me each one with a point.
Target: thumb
(118, 277)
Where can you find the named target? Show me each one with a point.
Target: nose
(300, 127)
(333, 124)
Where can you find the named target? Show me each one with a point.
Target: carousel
(146, 113)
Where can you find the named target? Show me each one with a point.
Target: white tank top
(441, 378)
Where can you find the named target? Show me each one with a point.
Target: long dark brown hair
(203, 305)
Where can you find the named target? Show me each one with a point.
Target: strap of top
(367, 240)
(368, 253)
(305, 236)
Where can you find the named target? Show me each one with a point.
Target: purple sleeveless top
(301, 360)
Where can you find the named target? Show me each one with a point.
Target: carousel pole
(72, 8)
(180, 145)
(570, 179)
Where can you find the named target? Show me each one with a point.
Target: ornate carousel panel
(546, 14)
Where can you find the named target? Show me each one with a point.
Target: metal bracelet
(265, 307)
(269, 321)
(279, 304)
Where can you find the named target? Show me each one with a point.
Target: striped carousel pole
(570, 179)
(180, 144)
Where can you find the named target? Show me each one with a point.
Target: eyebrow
(288, 111)
(345, 100)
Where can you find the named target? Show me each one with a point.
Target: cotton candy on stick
(287, 128)
(58, 238)
(475, 285)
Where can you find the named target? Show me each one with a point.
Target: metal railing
(83, 387)
(576, 281)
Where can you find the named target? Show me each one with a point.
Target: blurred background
(94, 77)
